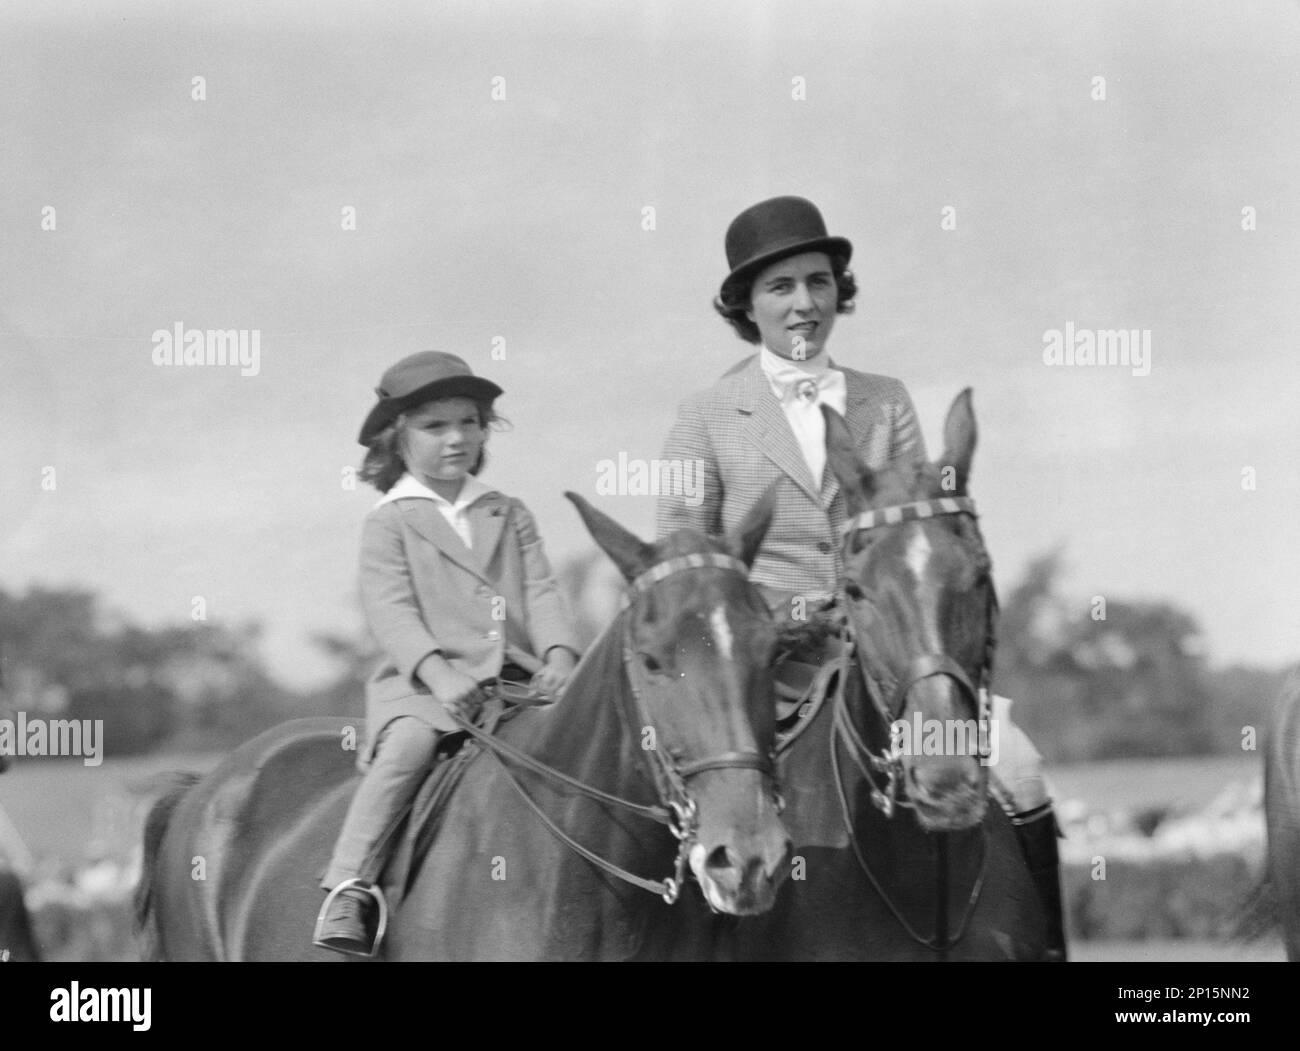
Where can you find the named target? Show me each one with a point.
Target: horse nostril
(720, 859)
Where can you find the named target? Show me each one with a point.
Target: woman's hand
(552, 679)
(457, 692)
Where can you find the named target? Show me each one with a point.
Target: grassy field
(1175, 783)
(68, 814)
(1184, 950)
(60, 806)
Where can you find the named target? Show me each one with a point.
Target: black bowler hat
(772, 230)
(420, 378)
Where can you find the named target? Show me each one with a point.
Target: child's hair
(383, 464)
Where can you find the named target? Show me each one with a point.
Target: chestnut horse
(658, 758)
(897, 854)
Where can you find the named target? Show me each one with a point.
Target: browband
(944, 505)
(657, 573)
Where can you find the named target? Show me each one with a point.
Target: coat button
(824, 547)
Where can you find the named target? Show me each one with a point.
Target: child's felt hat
(420, 378)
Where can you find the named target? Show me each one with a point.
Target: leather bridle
(676, 808)
(888, 694)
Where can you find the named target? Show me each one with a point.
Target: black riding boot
(352, 919)
(1037, 831)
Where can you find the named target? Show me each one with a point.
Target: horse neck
(588, 735)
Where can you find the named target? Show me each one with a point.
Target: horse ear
(855, 478)
(745, 540)
(629, 552)
(958, 442)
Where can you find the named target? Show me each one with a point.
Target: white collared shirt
(410, 487)
(806, 420)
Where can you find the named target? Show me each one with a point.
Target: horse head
(698, 647)
(921, 609)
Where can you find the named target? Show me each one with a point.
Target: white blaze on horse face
(917, 557)
(721, 631)
(918, 553)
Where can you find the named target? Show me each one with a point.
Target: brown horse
(897, 854)
(1282, 812)
(658, 755)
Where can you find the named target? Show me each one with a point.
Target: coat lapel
(487, 522)
(425, 518)
(858, 403)
(768, 429)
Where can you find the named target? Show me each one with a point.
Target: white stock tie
(802, 391)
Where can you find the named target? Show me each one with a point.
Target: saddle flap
(423, 819)
(415, 836)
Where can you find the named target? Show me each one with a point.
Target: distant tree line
(1119, 678)
(1124, 681)
(198, 685)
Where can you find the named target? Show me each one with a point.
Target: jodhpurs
(403, 755)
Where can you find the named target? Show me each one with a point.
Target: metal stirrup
(376, 892)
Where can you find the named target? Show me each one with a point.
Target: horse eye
(853, 591)
(650, 663)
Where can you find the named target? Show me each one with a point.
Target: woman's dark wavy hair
(383, 464)
(736, 298)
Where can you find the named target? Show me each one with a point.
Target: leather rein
(676, 809)
(888, 695)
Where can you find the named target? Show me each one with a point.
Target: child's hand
(551, 680)
(453, 689)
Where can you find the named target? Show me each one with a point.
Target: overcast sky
(521, 219)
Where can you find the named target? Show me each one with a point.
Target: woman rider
(788, 281)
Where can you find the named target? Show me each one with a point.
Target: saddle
(809, 659)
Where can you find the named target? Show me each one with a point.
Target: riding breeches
(402, 757)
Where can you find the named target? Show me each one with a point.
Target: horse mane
(906, 480)
(603, 660)
(598, 681)
(806, 638)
